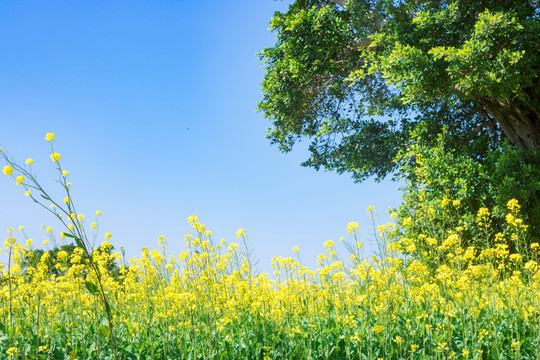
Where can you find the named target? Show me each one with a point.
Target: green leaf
(104, 330)
(77, 240)
(70, 235)
(46, 198)
(92, 288)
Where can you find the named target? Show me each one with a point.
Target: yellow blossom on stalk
(108, 235)
(45, 242)
(65, 172)
(513, 205)
(240, 233)
(19, 180)
(516, 257)
(70, 227)
(48, 230)
(29, 161)
(49, 137)
(352, 226)
(21, 228)
(27, 193)
(66, 199)
(62, 235)
(510, 219)
(8, 170)
(55, 157)
(394, 215)
(29, 242)
(12, 351)
(98, 213)
(93, 225)
(295, 249)
(80, 217)
(377, 329)
(483, 212)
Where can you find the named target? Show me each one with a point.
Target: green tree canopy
(357, 77)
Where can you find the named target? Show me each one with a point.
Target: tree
(358, 77)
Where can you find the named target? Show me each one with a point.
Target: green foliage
(357, 80)
(448, 190)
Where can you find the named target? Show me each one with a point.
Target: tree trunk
(520, 125)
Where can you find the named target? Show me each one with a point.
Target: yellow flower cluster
(211, 300)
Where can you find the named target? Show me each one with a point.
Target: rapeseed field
(431, 296)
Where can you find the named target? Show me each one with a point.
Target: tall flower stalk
(67, 214)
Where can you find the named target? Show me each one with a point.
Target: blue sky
(153, 107)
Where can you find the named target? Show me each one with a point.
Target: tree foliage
(446, 190)
(357, 78)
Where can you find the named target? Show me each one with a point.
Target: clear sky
(153, 107)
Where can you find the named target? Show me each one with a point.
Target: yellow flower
(65, 172)
(377, 329)
(66, 199)
(80, 217)
(27, 193)
(513, 205)
(295, 249)
(108, 235)
(98, 213)
(45, 242)
(13, 351)
(62, 235)
(240, 233)
(19, 180)
(49, 137)
(29, 161)
(55, 156)
(352, 226)
(8, 170)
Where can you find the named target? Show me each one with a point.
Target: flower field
(208, 303)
